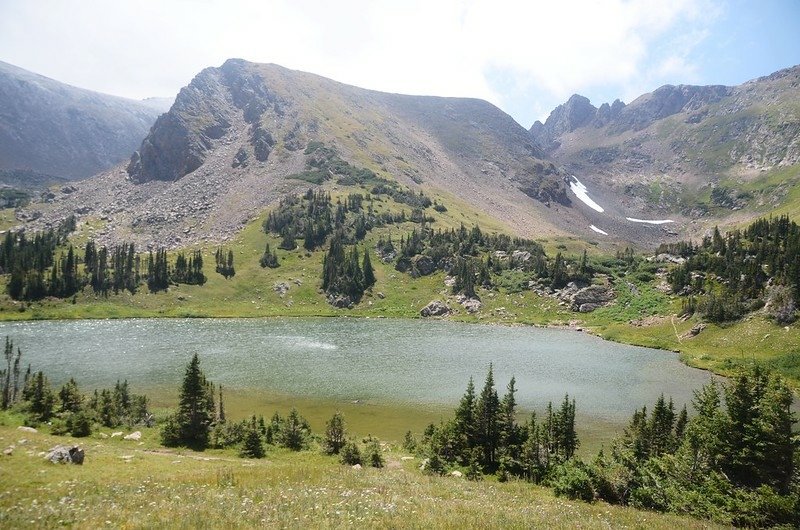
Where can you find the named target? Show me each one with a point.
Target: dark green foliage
(70, 398)
(409, 442)
(189, 271)
(27, 260)
(224, 263)
(487, 419)
(269, 258)
(40, 397)
(9, 376)
(351, 454)
(729, 274)
(294, 433)
(435, 465)
(157, 271)
(79, 424)
(485, 435)
(734, 461)
(335, 435)
(341, 271)
(572, 480)
(253, 444)
(373, 456)
(368, 271)
(558, 272)
(191, 424)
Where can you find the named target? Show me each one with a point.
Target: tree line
(725, 277)
(36, 273)
(67, 410)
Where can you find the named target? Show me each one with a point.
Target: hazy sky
(526, 57)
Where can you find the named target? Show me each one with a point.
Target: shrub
(80, 424)
(373, 454)
(350, 454)
(573, 481)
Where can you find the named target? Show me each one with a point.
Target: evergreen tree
(465, 417)
(294, 432)
(369, 272)
(71, 400)
(191, 424)
(335, 436)
(253, 445)
(269, 258)
(487, 429)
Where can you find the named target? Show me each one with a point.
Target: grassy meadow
(128, 484)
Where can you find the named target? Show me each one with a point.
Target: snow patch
(581, 193)
(598, 230)
(650, 222)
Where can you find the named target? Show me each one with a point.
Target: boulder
(61, 454)
(8, 451)
(340, 301)
(521, 255)
(422, 265)
(281, 288)
(115, 434)
(472, 305)
(457, 474)
(434, 309)
(591, 298)
(695, 331)
(357, 466)
(26, 429)
(135, 436)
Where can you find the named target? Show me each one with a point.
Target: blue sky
(524, 56)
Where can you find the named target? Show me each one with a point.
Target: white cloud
(524, 56)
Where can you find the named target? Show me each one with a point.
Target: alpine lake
(386, 376)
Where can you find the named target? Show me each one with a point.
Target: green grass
(141, 485)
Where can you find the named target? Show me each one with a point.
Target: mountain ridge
(52, 128)
(669, 149)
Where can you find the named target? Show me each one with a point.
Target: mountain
(696, 151)
(241, 136)
(54, 130)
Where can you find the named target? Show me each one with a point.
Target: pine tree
(369, 272)
(70, 397)
(510, 435)
(335, 435)
(465, 417)
(193, 419)
(487, 411)
(294, 432)
(253, 445)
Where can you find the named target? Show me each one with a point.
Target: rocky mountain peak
(666, 101)
(576, 112)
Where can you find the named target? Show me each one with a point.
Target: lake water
(407, 362)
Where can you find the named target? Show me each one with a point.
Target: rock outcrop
(61, 454)
(435, 308)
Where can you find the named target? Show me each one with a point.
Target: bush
(435, 465)
(350, 454)
(253, 446)
(373, 454)
(572, 480)
(80, 424)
